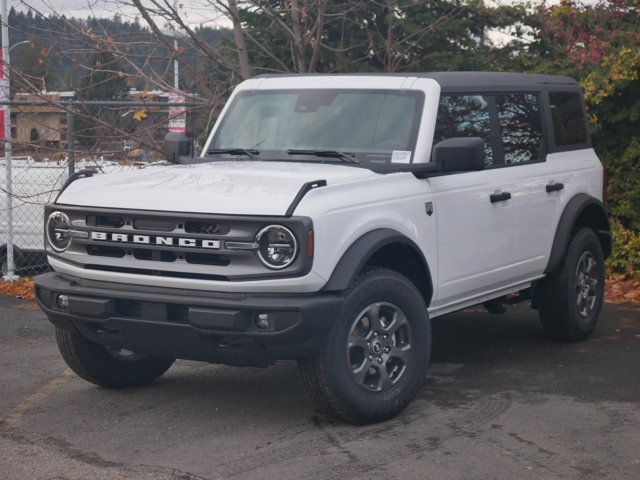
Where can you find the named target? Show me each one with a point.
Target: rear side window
(569, 124)
(520, 127)
(464, 116)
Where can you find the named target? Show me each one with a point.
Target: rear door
(542, 181)
(524, 146)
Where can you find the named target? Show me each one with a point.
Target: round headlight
(58, 231)
(277, 246)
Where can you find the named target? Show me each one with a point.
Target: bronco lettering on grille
(155, 240)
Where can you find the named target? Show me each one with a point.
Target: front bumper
(215, 327)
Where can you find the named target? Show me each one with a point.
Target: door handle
(500, 197)
(554, 187)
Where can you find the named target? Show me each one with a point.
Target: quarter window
(520, 126)
(464, 116)
(569, 124)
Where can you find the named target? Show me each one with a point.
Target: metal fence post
(71, 141)
(10, 268)
(7, 142)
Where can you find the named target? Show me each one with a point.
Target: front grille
(154, 255)
(167, 244)
(104, 221)
(103, 251)
(207, 259)
(206, 228)
(152, 244)
(158, 255)
(154, 224)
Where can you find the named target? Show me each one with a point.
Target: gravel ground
(500, 402)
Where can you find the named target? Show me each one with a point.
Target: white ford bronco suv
(327, 220)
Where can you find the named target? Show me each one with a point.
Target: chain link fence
(51, 140)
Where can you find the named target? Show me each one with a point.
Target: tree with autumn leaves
(599, 45)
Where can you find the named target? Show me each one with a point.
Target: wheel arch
(581, 211)
(383, 247)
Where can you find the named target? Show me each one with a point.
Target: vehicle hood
(232, 187)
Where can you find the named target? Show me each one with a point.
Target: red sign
(177, 115)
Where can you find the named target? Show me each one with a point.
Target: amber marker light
(310, 244)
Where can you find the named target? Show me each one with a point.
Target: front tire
(377, 353)
(570, 299)
(110, 369)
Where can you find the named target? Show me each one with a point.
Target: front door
(474, 214)
(475, 239)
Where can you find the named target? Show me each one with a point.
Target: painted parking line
(36, 397)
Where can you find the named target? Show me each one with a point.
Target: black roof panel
(489, 79)
(470, 80)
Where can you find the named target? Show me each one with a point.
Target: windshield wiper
(344, 156)
(249, 152)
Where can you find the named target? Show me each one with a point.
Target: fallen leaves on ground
(622, 288)
(619, 289)
(22, 288)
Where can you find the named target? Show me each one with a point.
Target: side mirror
(459, 154)
(176, 145)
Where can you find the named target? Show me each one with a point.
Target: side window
(464, 116)
(520, 126)
(569, 124)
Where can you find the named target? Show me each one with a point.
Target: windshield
(370, 124)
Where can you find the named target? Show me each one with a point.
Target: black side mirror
(459, 154)
(176, 145)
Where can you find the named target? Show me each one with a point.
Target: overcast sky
(196, 10)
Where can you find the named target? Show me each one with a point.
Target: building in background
(38, 127)
(40, 131)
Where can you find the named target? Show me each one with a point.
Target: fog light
(264, 321)
(63, 301)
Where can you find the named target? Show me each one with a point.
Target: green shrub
(625, 258)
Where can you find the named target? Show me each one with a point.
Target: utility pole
(5, 94)
(176, 77)
(177, 114)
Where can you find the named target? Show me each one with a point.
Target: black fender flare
(599, 221)
(359, 253)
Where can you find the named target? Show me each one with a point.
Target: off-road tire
(95, 364)
(327, 376)
(556, 294)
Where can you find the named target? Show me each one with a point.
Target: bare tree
(261, 35)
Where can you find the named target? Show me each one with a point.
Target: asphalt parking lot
(500, 402)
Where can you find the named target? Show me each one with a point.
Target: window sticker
(401, 156)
